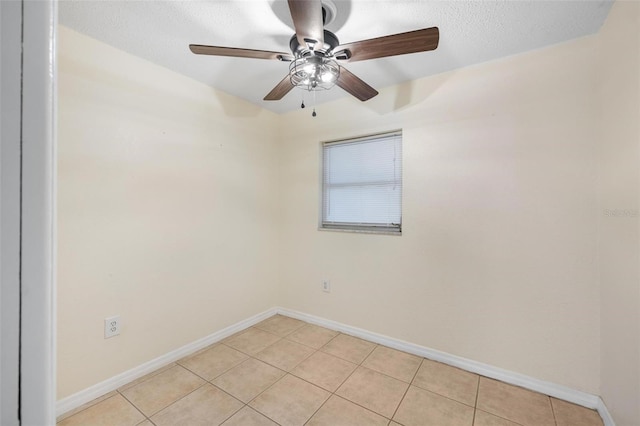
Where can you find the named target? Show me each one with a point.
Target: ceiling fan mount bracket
(329, 11)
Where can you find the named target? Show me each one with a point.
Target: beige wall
(619, 184)
(497, 261)
(166, 210)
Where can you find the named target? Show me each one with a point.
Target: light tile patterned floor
(286, 372)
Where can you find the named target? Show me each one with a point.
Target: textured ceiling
(470, 32)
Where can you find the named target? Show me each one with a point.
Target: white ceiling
(470, 32)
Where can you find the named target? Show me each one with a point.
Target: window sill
(361, 231)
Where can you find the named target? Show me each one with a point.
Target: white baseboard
(76, 400)
(605, 414)
(557, 391)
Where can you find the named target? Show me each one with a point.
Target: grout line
(244, 404)
(263, 414)
(447, 397)
(267, 388)
(395, 378)
(215, 377)
(346, 379)
(400, 402)
(475, 404)
(321, 405)
(303, 344)
(134, 406)
(349, 401)
(500, 417)
(330, 340)
(180, 399)
(553, 411)
(416, 373)
(278, 367)
(314, 384)
(146, 377)
(226, 371)
(362, 406)
(407, 390)
(272, 332)
(375, 346)
(193, 372)
(253, 355)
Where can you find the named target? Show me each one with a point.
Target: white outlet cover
(326, 286)
(111, 326)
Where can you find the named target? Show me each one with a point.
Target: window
(362, 183)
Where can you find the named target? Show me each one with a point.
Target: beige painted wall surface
(619, 173)
(497, 261)
(166, 210)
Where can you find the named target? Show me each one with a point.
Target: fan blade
(239, 53)
(355, 86)
(392, 45)
(307, 19)
(280, 90)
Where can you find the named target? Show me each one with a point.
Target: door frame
(28, 189)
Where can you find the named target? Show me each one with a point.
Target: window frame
(369, 228)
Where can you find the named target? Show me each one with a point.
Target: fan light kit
(314, 73)
(315, 52)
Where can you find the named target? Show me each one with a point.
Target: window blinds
(362, 183)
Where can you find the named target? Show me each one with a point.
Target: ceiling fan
(315, 53)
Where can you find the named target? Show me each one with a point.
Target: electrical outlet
(111, 326)
(326, 286)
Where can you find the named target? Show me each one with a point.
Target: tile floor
(286, 372)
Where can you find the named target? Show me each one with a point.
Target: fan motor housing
(330, 43)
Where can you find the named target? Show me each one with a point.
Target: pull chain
(313, 114)
(302, 105)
